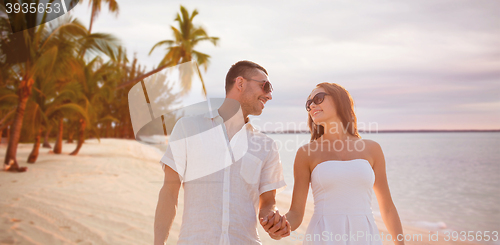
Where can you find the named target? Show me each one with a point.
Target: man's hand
(281, 229)
(270, 220)
(276, 225)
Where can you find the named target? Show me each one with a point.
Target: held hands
(276, 225)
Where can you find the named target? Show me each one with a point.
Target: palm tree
(33, 53)
(8, 104)
(96, 9)
(181, 48)
(51, 100)
(118, 107)
(8, 97)
(50, 103)
(27, 55)
(49, 87)
(95, 42)
(98, 82)
(70, 108)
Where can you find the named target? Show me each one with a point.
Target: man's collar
(215, 113)
(249, 125)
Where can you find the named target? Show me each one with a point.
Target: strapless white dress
(342, 193)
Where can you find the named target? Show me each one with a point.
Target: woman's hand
(276, 225)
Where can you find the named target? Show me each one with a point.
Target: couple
(231, 173)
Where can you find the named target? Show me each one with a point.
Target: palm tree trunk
(4, 124)
(34, 153)
(46, 143)
(141, 77)
(70, 136)
(123, 130)
(24, 91)
(58, 145)
(92, 15)
(81, 137)
(108, 129)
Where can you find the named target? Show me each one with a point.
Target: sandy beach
(105, 195)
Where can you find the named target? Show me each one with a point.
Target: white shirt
(222, 179)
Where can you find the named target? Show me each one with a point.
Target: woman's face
(325, 111)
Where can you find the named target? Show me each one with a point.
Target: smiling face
(336, 111)
(325, 111)
(253, 98)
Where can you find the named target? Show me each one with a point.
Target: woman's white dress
(342, 193)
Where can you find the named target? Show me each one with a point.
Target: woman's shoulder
(304, 152)
(369, 143)
(372, 148)
(305, 147)
(308, 146)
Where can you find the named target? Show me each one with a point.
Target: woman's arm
(302, 176)
(381, 188)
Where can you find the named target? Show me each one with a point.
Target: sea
(438, 180)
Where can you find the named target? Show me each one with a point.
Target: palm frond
(213, 40)
(164, 42)
(178, 36)
(103, 43)
(113, 6)
(202, 59)
(45, 62)
(108, 118)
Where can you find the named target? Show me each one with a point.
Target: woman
(342, 169)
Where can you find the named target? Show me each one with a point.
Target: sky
(427, 64)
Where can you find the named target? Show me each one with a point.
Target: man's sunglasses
(266, 87)
(317, 99)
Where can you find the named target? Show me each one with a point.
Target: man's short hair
(242, 68)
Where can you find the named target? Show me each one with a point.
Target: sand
(105, 195)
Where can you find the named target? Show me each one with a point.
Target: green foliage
(181, 48)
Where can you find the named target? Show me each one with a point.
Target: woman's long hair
(344, 105)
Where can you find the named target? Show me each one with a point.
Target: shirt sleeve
(176, 155)
(271, 177)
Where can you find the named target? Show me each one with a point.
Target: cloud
(419, 59)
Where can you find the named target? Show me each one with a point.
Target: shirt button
(225, 190)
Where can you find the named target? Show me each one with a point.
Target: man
(229, 170)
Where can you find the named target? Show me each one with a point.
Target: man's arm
(267, 204)
(167, 205)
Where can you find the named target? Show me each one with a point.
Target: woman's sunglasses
(317, 99)
(266, 87)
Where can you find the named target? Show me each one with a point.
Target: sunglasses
(266, 87)
(317, 99)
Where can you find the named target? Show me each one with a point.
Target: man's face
(254, 98)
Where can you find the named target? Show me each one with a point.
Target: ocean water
(438, 181)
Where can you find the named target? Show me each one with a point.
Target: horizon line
(291, 131)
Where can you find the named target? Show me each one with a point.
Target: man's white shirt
(222, 179)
